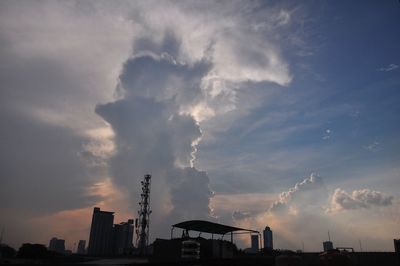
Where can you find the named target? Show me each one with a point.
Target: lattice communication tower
(142, 229)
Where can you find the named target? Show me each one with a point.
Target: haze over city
(247, 113)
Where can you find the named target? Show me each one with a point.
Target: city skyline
(246, 113)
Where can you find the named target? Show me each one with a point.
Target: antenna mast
(2, 235)
(144, 216)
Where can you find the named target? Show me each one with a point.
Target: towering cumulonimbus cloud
(153, 136)
(182, 78)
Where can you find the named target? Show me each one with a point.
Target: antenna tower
(2, 235)
(144, 216)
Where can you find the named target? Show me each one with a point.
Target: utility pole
(144, 216)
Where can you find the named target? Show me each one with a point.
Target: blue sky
(250, 113)
(342, 104)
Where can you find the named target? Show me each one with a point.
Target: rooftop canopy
(209, 227)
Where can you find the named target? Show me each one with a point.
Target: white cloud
(327, 134)
(374, 146)
(288, 197)
(358, 199)
(388, 68)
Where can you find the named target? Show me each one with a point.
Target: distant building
(254, 243)
(396, 245)
(328, 245)
(57, 245)
(268, 241)
(123, 237)
(68, 252)
(81, 247)
(101, 233)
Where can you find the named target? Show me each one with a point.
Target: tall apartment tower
(268, 241)
(101, 233)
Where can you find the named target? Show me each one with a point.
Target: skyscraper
(268, 242)
(101, 233)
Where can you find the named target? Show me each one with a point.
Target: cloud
(177, 82)
(43, 171)
(388, 68)
(290, 216)
(358, 199)
(59, 66)
(162, 76)
(374, 146)
(327, 134)
(151, 135)
(240, 215)
(293, 194)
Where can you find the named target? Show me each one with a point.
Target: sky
(248, 113)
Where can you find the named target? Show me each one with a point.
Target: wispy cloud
(373, 147)
(327, 134)
(388, 68)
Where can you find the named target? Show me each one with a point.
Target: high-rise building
(81, 247)
(123, 237)
(254, 243)
(268, 241)
(57, 245)
(101, 233)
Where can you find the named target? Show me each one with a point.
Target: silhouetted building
(57, 245)
(396, 245)
(328, 245)
(268, 241)
(254, 243)
(101, 233)
(81, 247)
(123, 237)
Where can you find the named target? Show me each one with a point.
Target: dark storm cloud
(41, 168)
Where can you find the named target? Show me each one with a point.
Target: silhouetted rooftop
(209, 227)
